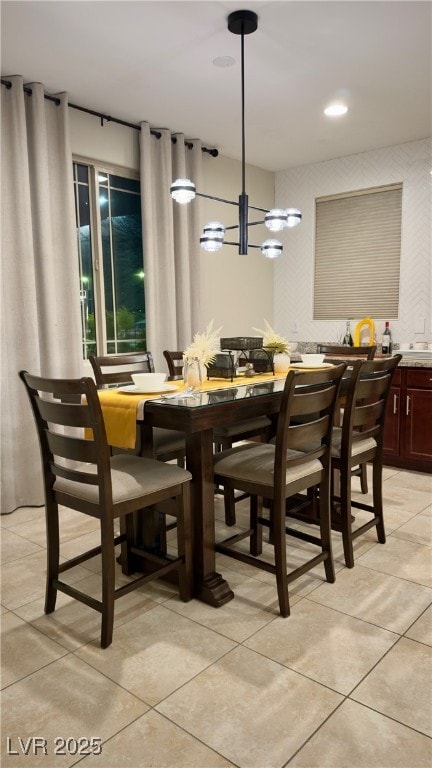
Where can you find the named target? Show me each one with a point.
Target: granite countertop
(414, 362)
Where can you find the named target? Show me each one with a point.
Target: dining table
(196, 413)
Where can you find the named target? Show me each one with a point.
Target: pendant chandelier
(183, 190)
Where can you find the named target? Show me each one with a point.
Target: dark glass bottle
(386, 341)
(348, 339)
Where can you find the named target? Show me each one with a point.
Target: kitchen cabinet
(408, 427)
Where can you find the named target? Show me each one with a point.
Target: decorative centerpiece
(200, 353)
(276, 346)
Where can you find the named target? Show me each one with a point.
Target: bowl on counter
(315, 359)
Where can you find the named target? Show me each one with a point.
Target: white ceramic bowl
(313, 359)
(150, 380)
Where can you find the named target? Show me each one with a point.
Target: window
(108, 217)
(357, 254)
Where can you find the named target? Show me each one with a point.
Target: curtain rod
(109, 119)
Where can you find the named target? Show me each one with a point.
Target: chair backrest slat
(88, 478)
(306, 402)
(367, 413)
(118, 369)
(303, 436)
(75, 415)
(72, 448)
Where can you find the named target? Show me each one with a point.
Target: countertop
(414, 362)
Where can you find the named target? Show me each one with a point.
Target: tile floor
(345, 681)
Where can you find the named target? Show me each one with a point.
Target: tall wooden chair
(225, 436)
(168, 444)
(335, 353)
(360, 439)
(298, 461)
(81, 474)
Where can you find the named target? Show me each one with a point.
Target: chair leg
(128, 526)
(256, 505)
(184, 543)
(377, 500)
(229, 505)
(345, 511)
(325, 530)
(108, 581)
(363, 478)
(280, 556)
(53, 555)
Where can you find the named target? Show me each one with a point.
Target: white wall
(237, 291)
(294, 272)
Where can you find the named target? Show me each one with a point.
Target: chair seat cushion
(360, 446)
(246, 427)
(167, 440)
(254, 462)
(131, 477)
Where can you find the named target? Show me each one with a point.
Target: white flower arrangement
(272, 341)
(205, 346)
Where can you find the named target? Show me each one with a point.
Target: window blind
(357, 254)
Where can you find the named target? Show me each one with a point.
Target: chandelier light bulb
(336, 110)
(212, 237)
(276, 219)
(182, 190)
(294, 217)
(271, 249)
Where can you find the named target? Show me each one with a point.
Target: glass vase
(193, 373)
(281, 361)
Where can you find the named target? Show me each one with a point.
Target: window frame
(95, 169)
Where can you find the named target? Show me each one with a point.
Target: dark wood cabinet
(408, 428)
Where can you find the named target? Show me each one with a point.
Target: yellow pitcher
(358, 329)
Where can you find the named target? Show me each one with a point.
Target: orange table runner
(121, 410)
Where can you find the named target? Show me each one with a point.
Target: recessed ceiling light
(224, 61)
(335, 110)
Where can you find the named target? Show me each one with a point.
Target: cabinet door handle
(395, 401)
(408, 405)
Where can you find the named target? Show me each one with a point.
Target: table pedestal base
(214, 590)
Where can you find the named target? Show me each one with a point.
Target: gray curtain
(171, 243)
(41, 329)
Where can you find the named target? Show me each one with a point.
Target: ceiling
(153, 61)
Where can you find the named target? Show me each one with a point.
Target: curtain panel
(170, 243)
(41, 330)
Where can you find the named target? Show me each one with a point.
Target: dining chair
(168, 444)
(360, 440)
(79, 473)
(298, 461)
(335, 353)
(225, 436)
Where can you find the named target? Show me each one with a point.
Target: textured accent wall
(410, 164)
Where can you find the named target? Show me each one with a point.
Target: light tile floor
(345, 681)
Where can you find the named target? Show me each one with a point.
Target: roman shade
(357, 254)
